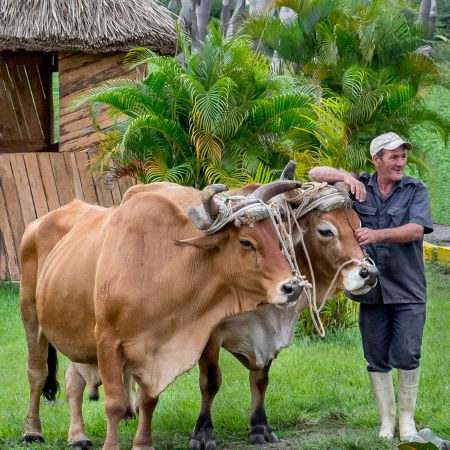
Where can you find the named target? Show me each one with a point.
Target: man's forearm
(332, 175)
(328, 174)
(399, 235)
(403, 234)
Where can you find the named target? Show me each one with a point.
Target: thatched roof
(92, 26)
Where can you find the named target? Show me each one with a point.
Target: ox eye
(326, 233)
(247, 244)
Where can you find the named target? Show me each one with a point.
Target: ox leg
(75, 384)
(111, 366)
(210, 382)
(259, 432)
(37, 364)
(147, 405)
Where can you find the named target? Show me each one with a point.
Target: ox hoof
(262, 439)
(30, 438)
(202, 444)
(83, 444)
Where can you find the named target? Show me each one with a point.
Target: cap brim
(397, 143)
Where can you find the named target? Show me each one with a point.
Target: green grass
(438, 161)
(319, 397)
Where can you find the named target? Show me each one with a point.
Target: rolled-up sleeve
(420, 211)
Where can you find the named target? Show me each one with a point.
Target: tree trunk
(428, 14)
(225, 15)
(187, 14)
(258, 7)
(236, 19)
(174, 6)
(203, 11)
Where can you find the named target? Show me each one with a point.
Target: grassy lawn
(438, 161)
(319, 396)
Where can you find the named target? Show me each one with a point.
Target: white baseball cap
(388, 141)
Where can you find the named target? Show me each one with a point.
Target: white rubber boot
(408, 385)
(383, 391)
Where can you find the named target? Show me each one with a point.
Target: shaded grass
(319, 396)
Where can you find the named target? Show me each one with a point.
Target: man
(395, 213)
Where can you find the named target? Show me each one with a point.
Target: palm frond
(233, 178)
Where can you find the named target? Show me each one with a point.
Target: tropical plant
(365, 57)
(338, 314)
(220, 116)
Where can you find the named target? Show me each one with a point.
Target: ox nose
(369, 274)
(292, 290)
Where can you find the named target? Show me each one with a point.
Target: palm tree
(363, 56)
(221, 116)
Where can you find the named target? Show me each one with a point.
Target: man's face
(391, 164)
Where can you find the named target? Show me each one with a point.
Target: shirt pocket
(397, 216)
(367, 214)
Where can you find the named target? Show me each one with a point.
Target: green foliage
(338, 314)
(221, 116)
(443, 18)
(437, 159)
(362, 55)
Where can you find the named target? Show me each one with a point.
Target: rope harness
(323, 197)
(246, 211)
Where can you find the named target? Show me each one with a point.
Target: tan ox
(255, 338)
(140, 301)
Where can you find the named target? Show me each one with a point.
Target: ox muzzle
(292, 291)
(368, 275)
(288, 293)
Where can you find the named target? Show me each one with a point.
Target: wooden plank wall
(32, 184)
(25, 101)
(78, 73)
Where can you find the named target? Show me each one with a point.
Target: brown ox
(139, 299)
(256, 338)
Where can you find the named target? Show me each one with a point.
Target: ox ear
(207, 242)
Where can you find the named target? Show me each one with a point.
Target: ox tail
(51, 386)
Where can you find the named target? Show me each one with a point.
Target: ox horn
(209, 204)
(289, 171)
(268, 191)
(203, 216)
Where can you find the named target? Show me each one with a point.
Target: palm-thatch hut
(65, 46)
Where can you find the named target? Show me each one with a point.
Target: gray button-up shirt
(401, 272)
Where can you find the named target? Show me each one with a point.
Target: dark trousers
(392, 335)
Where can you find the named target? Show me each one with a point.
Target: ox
(138, 298)
(256, 338)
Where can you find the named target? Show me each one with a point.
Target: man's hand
(356, 187)
(366, 236)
